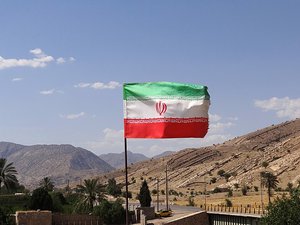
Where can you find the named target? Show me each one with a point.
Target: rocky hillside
(60, 162)
(116, 160)
(241, 157)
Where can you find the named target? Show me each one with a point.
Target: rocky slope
(241, 157)
(116, 160)
(59, 162)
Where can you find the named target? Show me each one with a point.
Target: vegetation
(191, 201)
(144, 195)
(113, 189)
(47, 184)
(265, 164)
(283, 211)
(111, 213)
(228, 203)
(7, 174)
(269, 180)
(221, 173)
(213, 180)
(40, 199)
(4, 216)
(244, 189)
(91, 192)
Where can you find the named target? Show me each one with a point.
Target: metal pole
(157, 188)
(126, 182)
(167, 190)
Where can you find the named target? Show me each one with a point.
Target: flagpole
(126, 182)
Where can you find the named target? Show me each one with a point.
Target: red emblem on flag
(161, 107)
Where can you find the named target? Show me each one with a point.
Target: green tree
(244, 189)
(284, 211)
(221, 173)
(111, 213)
(289, 187)
(227, 176)
(265, 164)
(40, 199)
(269, 180)
(47, 184)
(7, 174)
(144, 195)
(112, 188)
(92, 191)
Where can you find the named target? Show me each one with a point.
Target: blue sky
(62, 65)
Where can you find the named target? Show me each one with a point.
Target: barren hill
(241, 157)
(59, 162)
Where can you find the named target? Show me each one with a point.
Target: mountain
(241, 157)
(116, 160)
(166, 153)
(59, 162)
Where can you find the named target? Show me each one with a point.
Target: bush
(217, 190)
(40, 199)
(112, 188)
(244, 190)
(111, 213)
(58, 200)
(191, 201)
(4, 216)
(283, 211)
(229, 193)
(228, 203)
(221, 173)
(213, 180)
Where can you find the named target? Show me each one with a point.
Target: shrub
(111, 213)
(283, 211)
(229, 193)
(213, 180)
(221, 173)
(244, 190)
(228, 203)
(191, 201)
(40, 199)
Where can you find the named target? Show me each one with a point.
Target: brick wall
(33, 218)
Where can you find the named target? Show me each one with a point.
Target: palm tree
(92, 191)
(7, 174)
(269, 180)
(47, 184)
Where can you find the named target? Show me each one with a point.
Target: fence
(248, 209)
(64, 219)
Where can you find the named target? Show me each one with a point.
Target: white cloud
(60, 60)
(99, 85)
(51, 92)
(16, 79)
(47, 92)
(214, 117)
(284, 107)
(40, 59)
(72, 59)
(73, 116)
(82, 85)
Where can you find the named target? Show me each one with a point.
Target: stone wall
(33, 218)
(198, 218)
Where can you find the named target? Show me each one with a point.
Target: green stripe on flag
(164, 90)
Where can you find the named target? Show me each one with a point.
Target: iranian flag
(165, 110)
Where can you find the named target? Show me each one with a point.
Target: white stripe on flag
(173, 109)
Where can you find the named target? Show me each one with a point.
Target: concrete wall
(33, 218)
(198, 218)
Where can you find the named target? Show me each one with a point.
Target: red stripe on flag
(165, 129)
